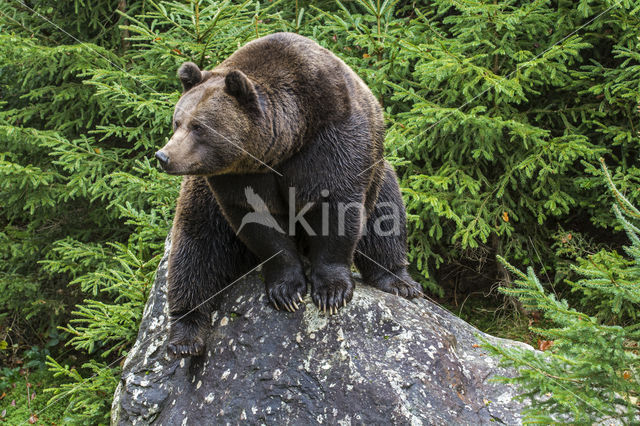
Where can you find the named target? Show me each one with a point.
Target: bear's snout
(163, 159)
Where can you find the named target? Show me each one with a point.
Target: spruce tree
(590, 373)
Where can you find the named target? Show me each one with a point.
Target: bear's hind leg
(381, 253)
(205, 257)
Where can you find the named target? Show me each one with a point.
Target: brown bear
(281, 146)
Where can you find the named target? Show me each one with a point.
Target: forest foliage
(496, 111)
(589, 369)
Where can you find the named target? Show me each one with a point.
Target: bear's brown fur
(280, 113)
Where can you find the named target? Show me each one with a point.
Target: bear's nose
(162, 158)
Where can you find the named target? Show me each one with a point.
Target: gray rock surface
(380, 360)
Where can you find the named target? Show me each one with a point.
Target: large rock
(381, 359)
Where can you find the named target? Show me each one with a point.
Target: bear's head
(214, 123)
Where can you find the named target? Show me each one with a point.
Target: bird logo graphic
(261, 214)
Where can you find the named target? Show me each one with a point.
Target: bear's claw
(332, 308)
(285, 293)
(406, 288)
(186, 349)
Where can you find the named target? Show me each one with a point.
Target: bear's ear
(239, 86)
(190, 75)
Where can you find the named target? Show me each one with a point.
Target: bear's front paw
(331, 287)
(287, 291)
(399, 284)
(185, 339)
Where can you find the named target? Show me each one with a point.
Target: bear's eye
(196, 127)
(177, 124)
